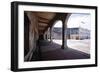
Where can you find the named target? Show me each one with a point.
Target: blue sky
(82, 20)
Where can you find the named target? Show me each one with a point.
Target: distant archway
(57, 32)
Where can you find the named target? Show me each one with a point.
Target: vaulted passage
(40, 37)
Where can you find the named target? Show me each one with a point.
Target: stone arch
(57, 25)
(64, 39)
(63, 19)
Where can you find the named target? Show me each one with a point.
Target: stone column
(45, 38)
(47, 34)
(50, 34)
(64, 31)
(64, 40)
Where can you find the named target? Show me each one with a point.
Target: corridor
(53, 51)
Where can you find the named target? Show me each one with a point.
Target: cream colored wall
(33, 33)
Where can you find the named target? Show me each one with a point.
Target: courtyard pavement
(80, 45)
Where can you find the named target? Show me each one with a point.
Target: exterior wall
(84, 33)
(72, 33)
(57, 36)
(74, 36)
(57, 33)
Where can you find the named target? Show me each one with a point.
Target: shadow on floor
(53, 51)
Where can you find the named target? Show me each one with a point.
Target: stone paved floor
(53, 51)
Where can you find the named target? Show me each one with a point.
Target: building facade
(72, 33)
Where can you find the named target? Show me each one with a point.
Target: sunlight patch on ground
(80, 45)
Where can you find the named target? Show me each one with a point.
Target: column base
(64, 47)
(50, 40)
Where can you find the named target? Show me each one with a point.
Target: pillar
(64, 27)
(50, 34)
(46, 35)
(64, 40)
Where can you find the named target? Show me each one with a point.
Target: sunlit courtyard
(80, 45)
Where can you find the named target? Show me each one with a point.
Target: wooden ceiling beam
(42, 24)
(42, 18)
(41, 28)
(43, 21)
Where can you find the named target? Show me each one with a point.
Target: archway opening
(57, 32)
(78, 32)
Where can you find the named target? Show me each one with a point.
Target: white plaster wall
(33, 30)
(33, 34)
